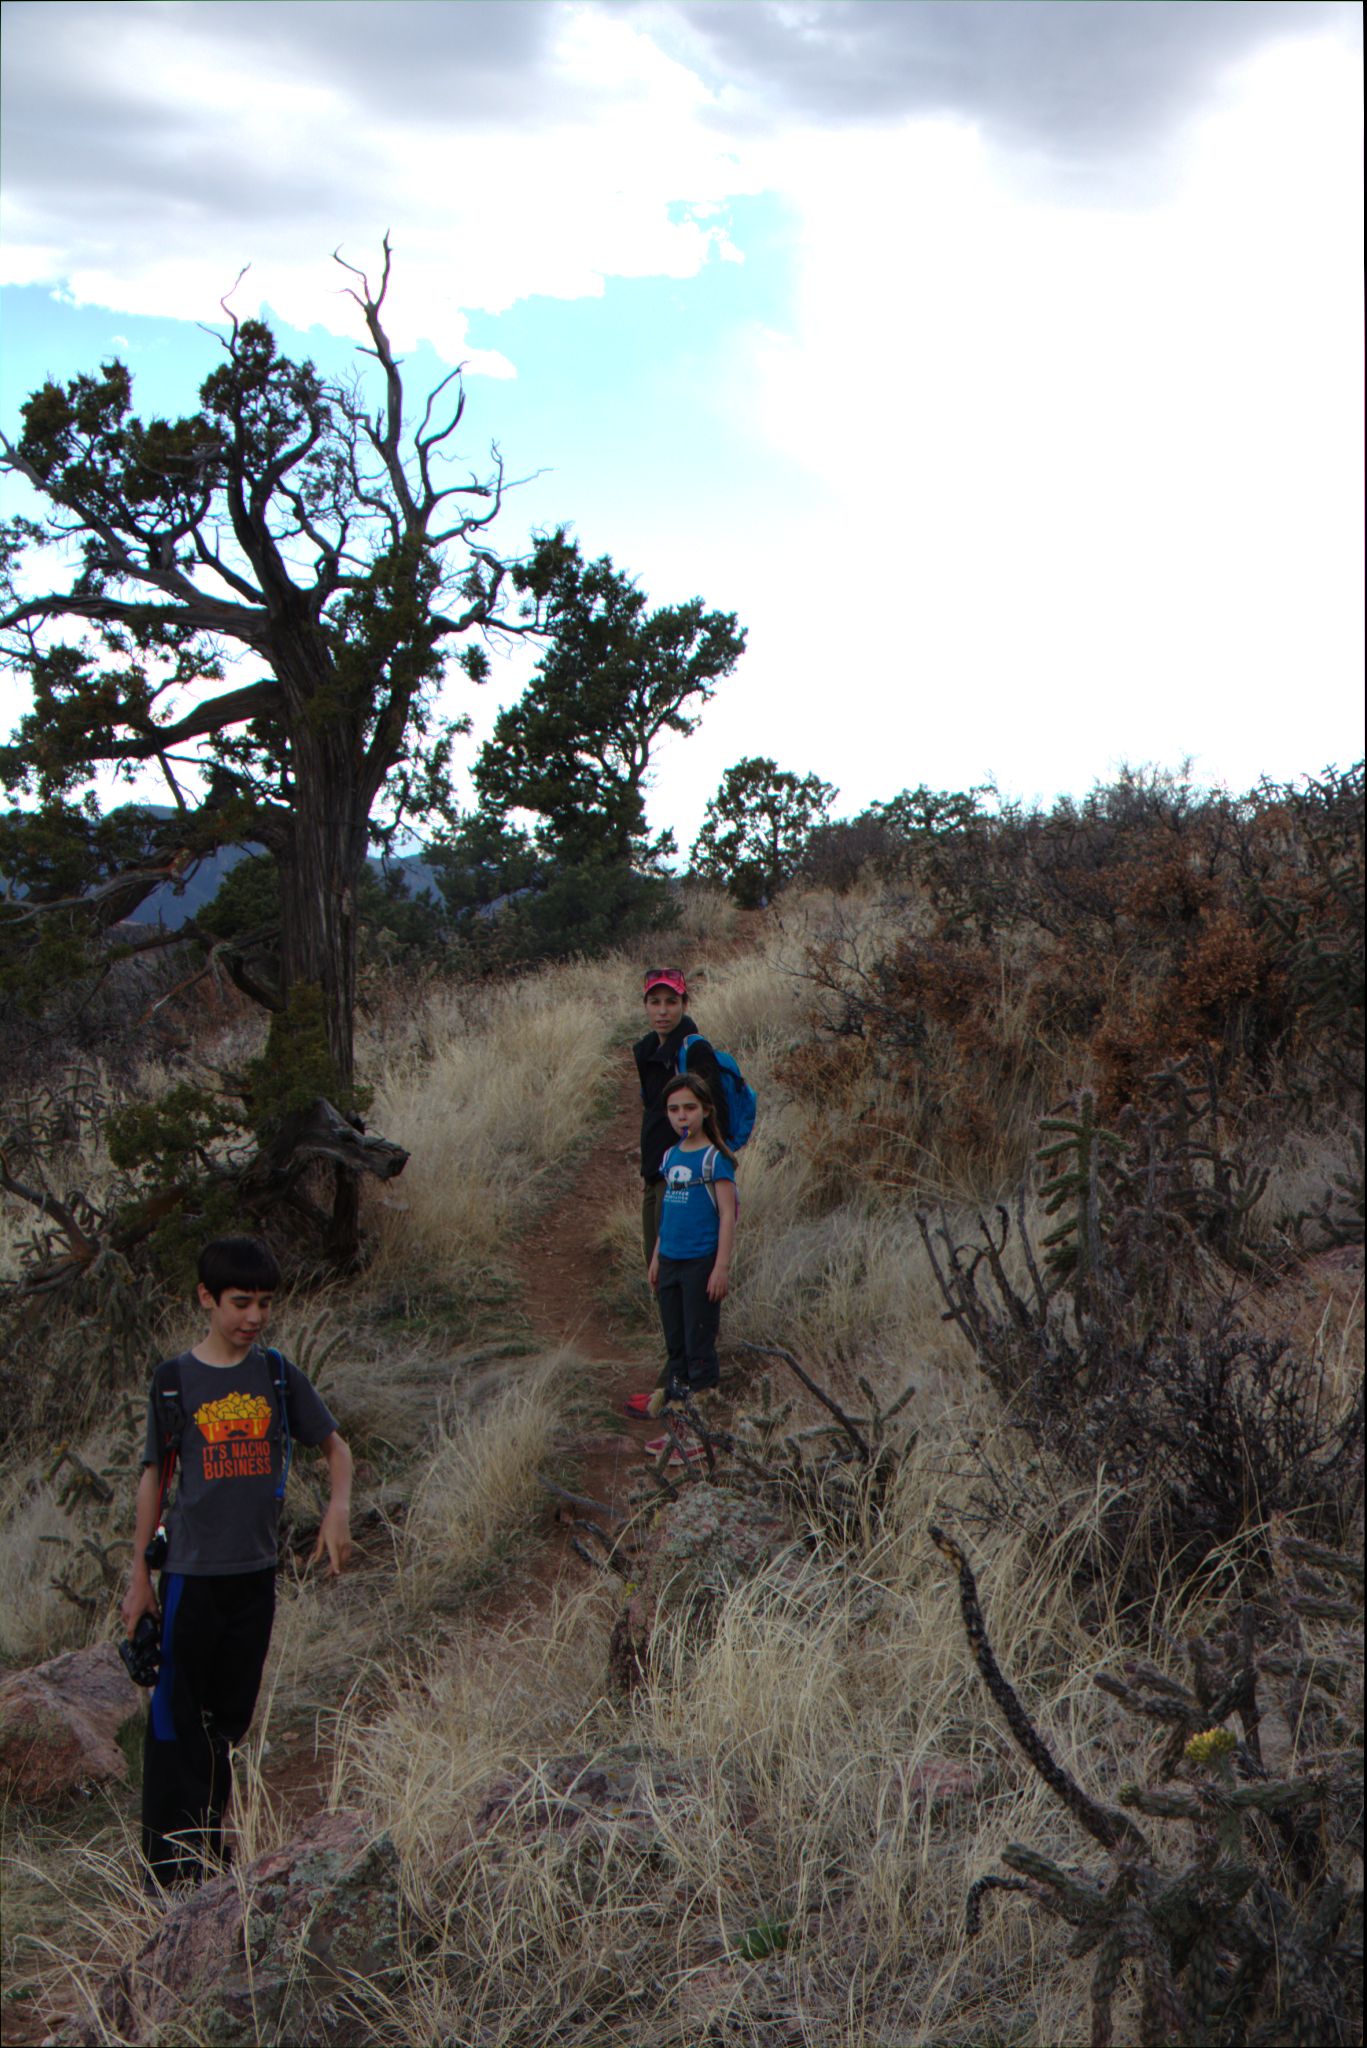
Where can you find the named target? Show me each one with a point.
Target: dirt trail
(560, 1262)
(559, 1266)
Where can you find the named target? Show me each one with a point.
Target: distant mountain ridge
(174, 903)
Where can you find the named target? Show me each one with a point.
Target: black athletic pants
(214, 1637)
(690, 1324)
(652, 1207)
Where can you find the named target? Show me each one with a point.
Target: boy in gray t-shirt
(231, 1412)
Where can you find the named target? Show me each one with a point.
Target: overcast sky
(998, 361)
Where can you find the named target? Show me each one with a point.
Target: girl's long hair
(697, 1086)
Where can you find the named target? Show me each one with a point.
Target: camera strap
(277, 1359)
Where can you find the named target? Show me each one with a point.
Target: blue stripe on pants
(163, 1725)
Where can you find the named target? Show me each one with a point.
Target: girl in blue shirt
(691, 1267)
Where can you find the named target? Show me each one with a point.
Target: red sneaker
(638, 1405)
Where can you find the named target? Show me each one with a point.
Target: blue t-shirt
(689, 1224)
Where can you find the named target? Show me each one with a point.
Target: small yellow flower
(1208, 1748)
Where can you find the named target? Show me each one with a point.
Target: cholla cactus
(838, 1474)
(1078, 1145)
(1248, 1933)
(1211, 1747)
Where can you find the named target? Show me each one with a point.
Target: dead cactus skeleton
(1249, 1938)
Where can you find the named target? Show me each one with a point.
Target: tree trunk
(319, 876)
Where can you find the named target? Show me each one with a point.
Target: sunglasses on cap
(665, 977)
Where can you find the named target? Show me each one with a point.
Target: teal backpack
(740, 1104)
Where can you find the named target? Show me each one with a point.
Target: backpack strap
(681, 1062)
(277, 1359)
(709, 1175)
(169, 1404)
(170, 1413)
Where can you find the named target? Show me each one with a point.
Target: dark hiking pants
(652, 1202)
(214, 1637)
(690, 1323)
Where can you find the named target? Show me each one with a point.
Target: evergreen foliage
(757, 825)
(480, 862)
(575, 749)
(886, 838)
(282, 522)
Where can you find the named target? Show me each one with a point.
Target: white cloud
(1101, 464)
(1081, 453)
(230, 160)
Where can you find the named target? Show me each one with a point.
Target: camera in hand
(141, 1652)
(155, 1552)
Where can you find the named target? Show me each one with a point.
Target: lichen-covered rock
(629, 1787)
(286, 1949)
(714, 1535)
(614, 1811)
(60, 1724)
(697, 1550)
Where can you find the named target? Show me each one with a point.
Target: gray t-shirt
(224, 1517)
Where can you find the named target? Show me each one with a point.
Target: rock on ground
(629, 1790)
(697, 1549)
(60, 1724)
(297, 1946)
(606, 1822)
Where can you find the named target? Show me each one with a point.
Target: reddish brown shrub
(1106, 942)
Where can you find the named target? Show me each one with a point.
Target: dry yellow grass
(491, 1093)
(794, 1744)
(35, 1621)
(792, 1751)
(479, 1486)
(708, 916)
(74, 1910)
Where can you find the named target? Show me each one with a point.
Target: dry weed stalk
(1209, 1427)
(834, 1478)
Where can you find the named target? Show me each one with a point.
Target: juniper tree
(263, 598)
(757, 825)
(575, 749)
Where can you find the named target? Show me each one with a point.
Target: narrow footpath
(560, 1266)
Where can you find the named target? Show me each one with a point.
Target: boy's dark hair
(238, 1262)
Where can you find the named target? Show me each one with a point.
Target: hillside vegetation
(1061, 1129)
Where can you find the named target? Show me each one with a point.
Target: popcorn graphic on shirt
(234, 1415)
(235, 1429)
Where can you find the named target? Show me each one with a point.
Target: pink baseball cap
(665, 977)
